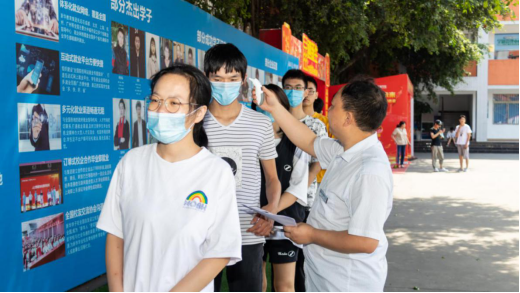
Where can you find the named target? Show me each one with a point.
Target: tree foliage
(430, 40)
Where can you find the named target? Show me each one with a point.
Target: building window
(506, 46)
(505, 109)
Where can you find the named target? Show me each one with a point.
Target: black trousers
(246, 275)
(299, 279)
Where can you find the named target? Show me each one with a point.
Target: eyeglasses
(172, 105)
(290, 87)
(311, 92)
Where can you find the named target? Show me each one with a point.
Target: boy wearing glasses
(295, 87)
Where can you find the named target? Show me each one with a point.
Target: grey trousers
(437, 154)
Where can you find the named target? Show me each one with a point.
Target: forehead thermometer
(258, 91)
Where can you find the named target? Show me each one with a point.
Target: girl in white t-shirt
(170, 212)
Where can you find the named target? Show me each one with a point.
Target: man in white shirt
(463, 136)
(345, 242)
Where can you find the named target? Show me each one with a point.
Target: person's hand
(270, 100)
(465, 146)
(54, 27)
(262, 226)
(301, 234)
(26, 85)
(36, 129)
(21, 18)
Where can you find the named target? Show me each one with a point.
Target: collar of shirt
(360, 146)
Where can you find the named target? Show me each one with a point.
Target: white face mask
(277, 141)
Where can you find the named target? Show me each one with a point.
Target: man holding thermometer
(345, 242)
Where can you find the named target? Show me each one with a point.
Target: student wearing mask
(463, 137)
(400, 137)
(244, 138)
(179, 227)
(122, 133)
(292, 166)
(345, 242)
(295, 87)
(120, 61)
(153, 61)
(139, 132)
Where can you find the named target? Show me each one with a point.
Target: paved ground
(455, 231)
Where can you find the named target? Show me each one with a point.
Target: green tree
(430, 40)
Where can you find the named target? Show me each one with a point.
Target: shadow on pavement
(446, 244)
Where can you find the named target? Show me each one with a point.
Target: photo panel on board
(121, 123)
(166, 53)
(139, 130)
(137, 53)
(120, 48)
(43, 241)
(40, 185)
(179, 52)
(39, 127)
(200, 59)
(38, 19)
(190, 57)
(152, 55)
(37, 70)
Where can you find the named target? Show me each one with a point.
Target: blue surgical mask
(295, 97)
(167, 127)
(225, 92)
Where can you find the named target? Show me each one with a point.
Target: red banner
(310, 56)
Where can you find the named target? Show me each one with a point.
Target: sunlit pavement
(455, 231)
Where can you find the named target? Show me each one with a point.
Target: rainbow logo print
(196, 200)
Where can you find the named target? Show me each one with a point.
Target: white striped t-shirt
(242, 144)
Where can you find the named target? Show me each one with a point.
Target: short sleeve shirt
(243, 143)
(436, 141)
(170, 216)
(462, 139)
(355, 196)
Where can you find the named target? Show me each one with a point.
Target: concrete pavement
(455, 231)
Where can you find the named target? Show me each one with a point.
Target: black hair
(138, 105)
(225, 55)
(190, 52)
(152, 39)
(121, 30)
(282, 98)
(451, 128)
(318, 105)
(295, 74)
(400, 124)
(200, 93)
(311, 80)
(121, 101)
(366, 101)
(462, 116)
(37, 108)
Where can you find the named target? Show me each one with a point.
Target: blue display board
(75, 74)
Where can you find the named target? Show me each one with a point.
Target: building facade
(489, 94)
